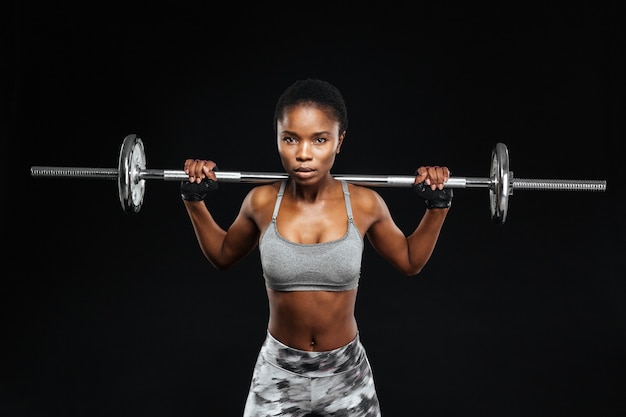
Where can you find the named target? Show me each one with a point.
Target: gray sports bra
(326, 266)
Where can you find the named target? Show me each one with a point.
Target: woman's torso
(311, 257)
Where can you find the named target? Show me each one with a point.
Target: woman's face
(308, 139)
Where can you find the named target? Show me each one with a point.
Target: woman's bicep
(241, 237)
(383, 233)
(389, 241)
(243, 234)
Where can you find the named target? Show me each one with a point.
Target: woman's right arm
(223, 248)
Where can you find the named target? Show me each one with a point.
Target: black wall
(110, 314)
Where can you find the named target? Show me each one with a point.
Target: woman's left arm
(409, 254)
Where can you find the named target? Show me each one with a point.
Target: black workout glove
(192, 191)
(434, 198)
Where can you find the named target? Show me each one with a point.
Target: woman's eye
(289, 140)
(321, 140)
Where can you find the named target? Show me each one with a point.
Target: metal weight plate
(501, 183)
(132, 161)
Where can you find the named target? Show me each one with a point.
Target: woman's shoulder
(368, 206)
(363, 197)
(362, 191)
(263, 195)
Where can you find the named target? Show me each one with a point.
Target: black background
(111, 314)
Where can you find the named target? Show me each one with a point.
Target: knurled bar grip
(558, 185)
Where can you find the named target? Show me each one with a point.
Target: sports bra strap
(279, 198)
(346, 196)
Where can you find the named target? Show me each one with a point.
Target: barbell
(131, 175)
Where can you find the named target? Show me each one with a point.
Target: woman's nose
(304, 151)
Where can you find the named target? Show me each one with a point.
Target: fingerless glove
(192, 191)
(434, 198)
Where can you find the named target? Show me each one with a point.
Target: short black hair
(316, 92)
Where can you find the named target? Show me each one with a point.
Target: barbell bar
(131, 175)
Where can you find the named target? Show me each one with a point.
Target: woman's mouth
(304, 172)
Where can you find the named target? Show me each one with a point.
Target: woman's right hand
(202, 179)
(199, 169)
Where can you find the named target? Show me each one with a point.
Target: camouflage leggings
(289, 382)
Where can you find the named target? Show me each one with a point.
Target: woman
(310, 231)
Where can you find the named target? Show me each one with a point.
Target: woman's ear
(340, 142)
